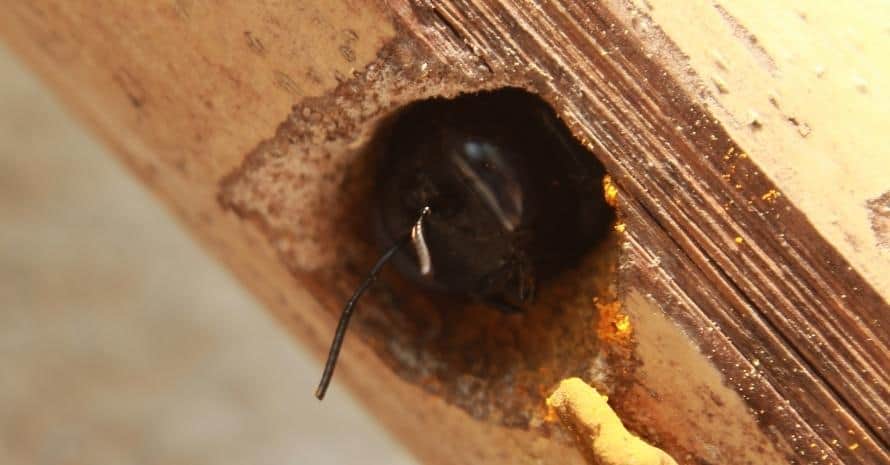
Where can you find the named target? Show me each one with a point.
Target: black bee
(484, 195)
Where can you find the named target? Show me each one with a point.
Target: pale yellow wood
(804, 87)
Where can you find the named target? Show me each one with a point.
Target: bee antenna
(347, 314)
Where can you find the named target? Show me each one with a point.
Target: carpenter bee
(484, 195)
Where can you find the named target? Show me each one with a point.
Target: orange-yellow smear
(620, 227)
(739, 240)
(771, 195)
(598, 431)
(622, 324)
(612, 324)
(610, 191)
(552, 416)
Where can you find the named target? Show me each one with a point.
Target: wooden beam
(774, 288)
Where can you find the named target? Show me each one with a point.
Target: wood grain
(746, 261)
(712, 236)
(811, 75)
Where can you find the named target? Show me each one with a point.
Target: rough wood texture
(723, 232)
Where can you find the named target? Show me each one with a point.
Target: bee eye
(492, 178)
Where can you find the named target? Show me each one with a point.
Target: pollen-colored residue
(622, 324)
(613, 325)
(551, 416)
(598, 431)
(739, 240)
(771, 195)
(620, 227)
(610, 191)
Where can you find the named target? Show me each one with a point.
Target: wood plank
(734, 243)
(812, 75)
(793, 302)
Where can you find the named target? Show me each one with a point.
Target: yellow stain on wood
(601, 436)
(771, 195)
(612, 324)
(610, 191)
(622, 324)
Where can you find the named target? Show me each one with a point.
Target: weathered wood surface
(752, 175)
